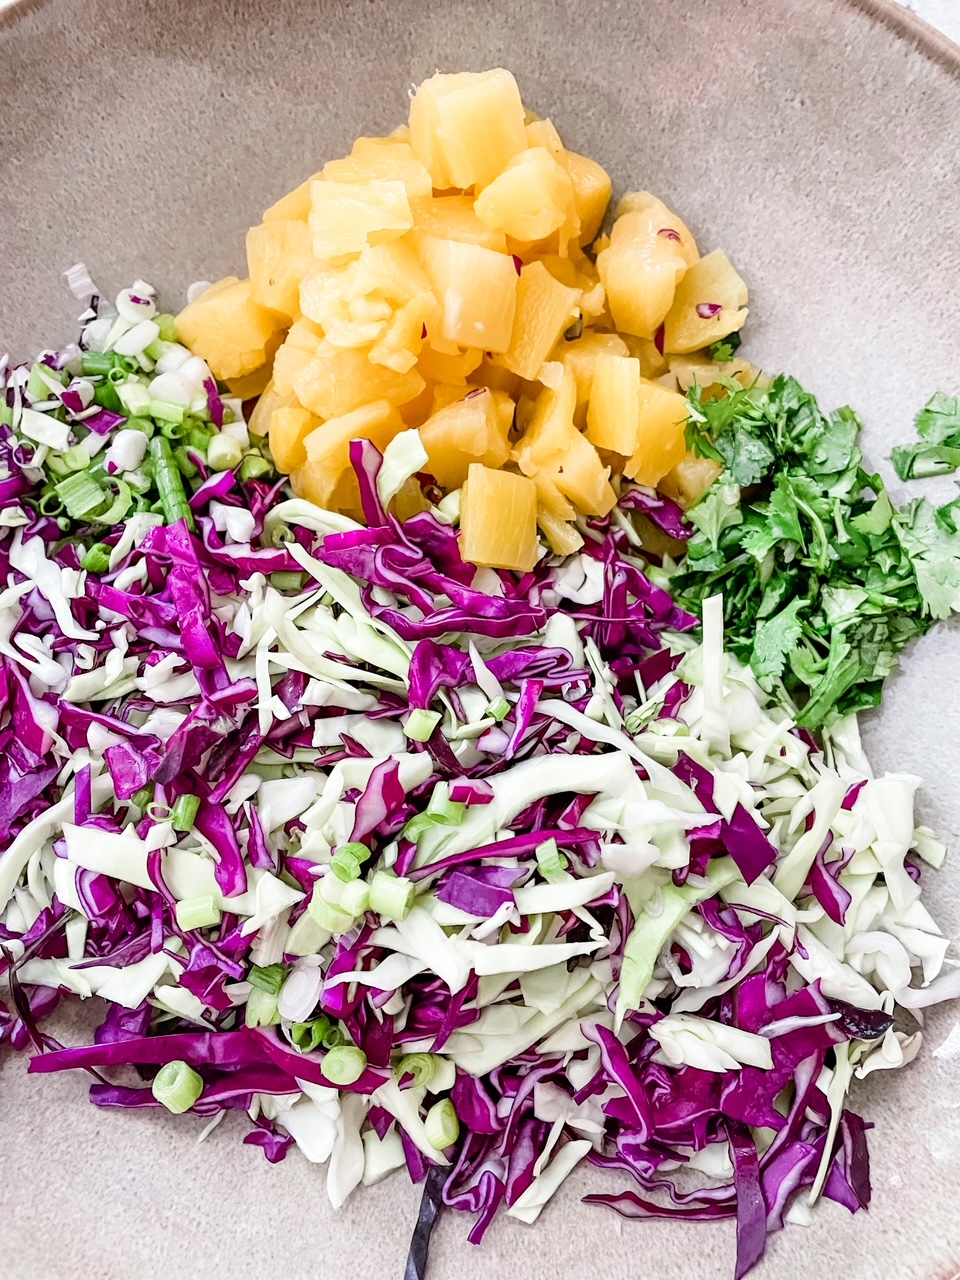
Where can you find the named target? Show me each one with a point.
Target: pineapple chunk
(339, 380)
(409, 501)
(661, 441)
(561, 460)
(295, 205)
(592, 189)
(580, 355)
(381, 298)
(250, 385)
(471, 430)
(543, 133)
(288, 429)
(649, 252)
(438, 366)
(689, 480)
(532, 198)
(389, 159)
(498, 520)
(710, 303)
(476, 289)
(564, 538)
(452, 218)
(545, 308)
(466, 128)
(613, 416)
(346, 217)
(300, 347)
(225, 327)
(279, 255)
(328, 449)
(269, 400)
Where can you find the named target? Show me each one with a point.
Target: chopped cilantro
(824, 580)
(938, 426)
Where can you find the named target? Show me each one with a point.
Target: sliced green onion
(76, 458)
(50, 504)
(38, 383)
(549, 858)
(391, 895)
(267, 978)
(285, 580)
(80, 495)
(253, 466)
(420, 724)
(166, 411)
(6, 414)
(355, 897)
(417, 825)
(308, 1036)
(344, 1065)
(134, 397)
(329, 915)
(185, 464)
(97, 364)
(120, 372)
(443, 810)
(97, 559)
(224, 453)
(105, 395)
(334, 1037)
(142, 797)
(120, 505)
(442, 1125)
(261, 1009)
(167, 325)
(424, 1067)
(173, 497)
(173, 431)
(184, 813)
(140, 424)
(349, 859)
(155, 349)
(157, 811)
(197, 913)
(177, 1087)
(498, 710)
(198, 438)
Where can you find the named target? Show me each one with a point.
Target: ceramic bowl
(817, 142)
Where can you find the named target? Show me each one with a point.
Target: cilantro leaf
(745, 455)
(723, 351)
(939, 420)
(775, 638)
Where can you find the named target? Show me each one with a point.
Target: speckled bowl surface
(817, 142)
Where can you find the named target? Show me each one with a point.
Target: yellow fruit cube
(661, 442)
(543, 133)
(592, 189)
(345, 217)
(339, 380)
(689, 480)
(613, 415)
(530, 199)
(279, 256)
(299, 347)
(580, 356)
(327, 449)
(470, 430)
(269, 400)
(228, 329)
(295, 205)
(466, 127)
(476, 289)
(289, 428)
(250, 385)
(563, 462)
(498, 520)
(563, 538)
(438, 366)
(452, 218)
(545, 309)
(389, 159)
(710, 303)
(649, 252)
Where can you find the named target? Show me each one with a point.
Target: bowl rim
(902, 21)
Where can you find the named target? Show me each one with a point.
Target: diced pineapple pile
(440, 279)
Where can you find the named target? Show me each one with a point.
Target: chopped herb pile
(824, 581)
